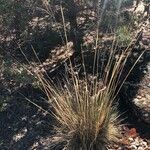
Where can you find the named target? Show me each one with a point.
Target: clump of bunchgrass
(86, 112)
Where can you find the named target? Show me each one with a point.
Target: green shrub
(123, 36)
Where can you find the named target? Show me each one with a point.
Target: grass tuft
(85, 109)
(84, 113)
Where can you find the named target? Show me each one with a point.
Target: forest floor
(24, 126)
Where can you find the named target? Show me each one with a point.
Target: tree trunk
(72, 15)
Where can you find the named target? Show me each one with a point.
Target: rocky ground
(131, 141)
(23, 126)
(142, 99)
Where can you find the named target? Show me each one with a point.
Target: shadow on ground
(22, 124)
(128, 93)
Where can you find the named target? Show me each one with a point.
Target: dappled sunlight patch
(20, 134)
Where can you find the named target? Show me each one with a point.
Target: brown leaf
(132, 133)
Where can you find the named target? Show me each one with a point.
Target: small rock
(145, 72)
(143, 99)
(130, 139)
(136, 141)
(144, 144)
(147, 96)
(144, 103)
(140, 148)
(139, 97)
(133, 147)
(145, 41)
(136, 100)
(146, 115)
